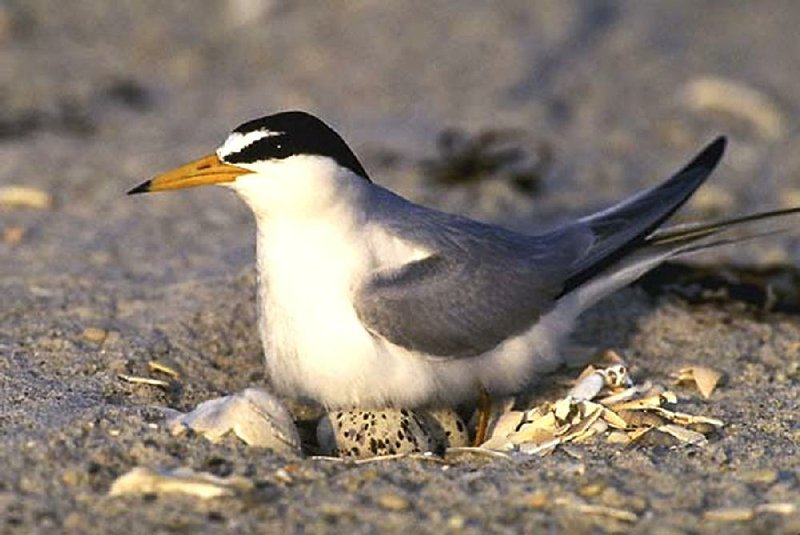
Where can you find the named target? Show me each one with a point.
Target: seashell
(254, 415)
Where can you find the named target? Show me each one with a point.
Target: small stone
(592, 489)
(72, 522)
(613, 498)
(537, 500)
(762, 477)
(393, 502)
(71, 477)
(456, 522)
(95, 334)
(13, 235)
(735, 98)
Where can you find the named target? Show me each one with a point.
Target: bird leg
(484, 413)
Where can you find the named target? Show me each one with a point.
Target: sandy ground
(605, 98)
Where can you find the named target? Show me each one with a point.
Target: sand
(604, 100)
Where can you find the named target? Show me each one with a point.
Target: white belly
(315, 345)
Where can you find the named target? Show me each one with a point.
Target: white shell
(254, 415)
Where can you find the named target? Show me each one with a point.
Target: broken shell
(650, 402)
(537, 431)
(729, 514)
(613, 419)
(588, 387)
(732, 97)
(253, 415)
(24, 197)
(161, 367)
(641, 418)
(706, 379)
(593, 380)
(616, 376)
(137, 380)
(142, 480)
(507, 424)
(627, 394)
(684, 435)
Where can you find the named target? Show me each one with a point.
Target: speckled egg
(369, 433)
(445, 427)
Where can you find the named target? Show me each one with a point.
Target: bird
(369, 300)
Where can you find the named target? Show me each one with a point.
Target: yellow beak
(207, 170)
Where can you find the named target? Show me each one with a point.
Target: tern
(368, 300)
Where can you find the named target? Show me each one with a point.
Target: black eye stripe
(291, 134)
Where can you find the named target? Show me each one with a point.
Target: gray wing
(485, 284)
(482, 286)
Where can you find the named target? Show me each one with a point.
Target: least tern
(368, 300)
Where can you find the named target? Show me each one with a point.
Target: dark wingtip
(710, 156)
(144, 187)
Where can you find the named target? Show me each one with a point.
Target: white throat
(310, 252)
(299, 187)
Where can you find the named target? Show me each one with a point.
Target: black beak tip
(144, 187)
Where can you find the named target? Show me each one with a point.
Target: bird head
(289, 160)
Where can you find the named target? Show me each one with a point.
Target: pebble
(13, 234)
(537, 500)
(393, 502)
(95, 334)
(591, 490)
(764, 477)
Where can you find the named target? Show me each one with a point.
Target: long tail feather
(619, 230)
(697, 231)
(677, 242)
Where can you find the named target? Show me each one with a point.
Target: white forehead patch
(238, 141)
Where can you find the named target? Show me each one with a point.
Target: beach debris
(99, 336)
(141, 480)
(138, 380)
(492, 154)
(745, 514)
(593, 380)
(582, 507)
(24, 197)
(706, 379)
(254, 415)
(734, 98)
(161, 367)
(626, 415)
(729, 514)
